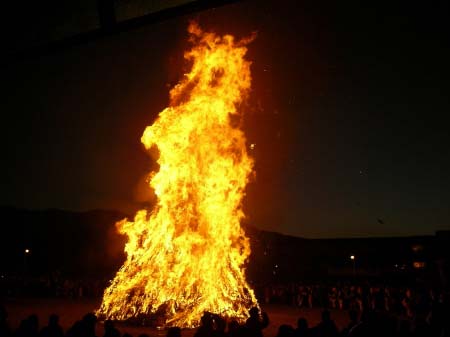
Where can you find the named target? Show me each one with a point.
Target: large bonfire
(187, 256)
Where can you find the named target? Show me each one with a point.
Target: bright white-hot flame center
(188, 255)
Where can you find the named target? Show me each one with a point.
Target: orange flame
(188, 255)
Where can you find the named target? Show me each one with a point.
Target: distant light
(27, 251)
(419, 264)
(352, 257)
(417, 248)
(252, 146)
(276, 266)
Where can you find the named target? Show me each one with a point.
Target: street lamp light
(352, 257)
(27, 252)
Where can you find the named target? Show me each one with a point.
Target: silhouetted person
(28, 327)
(353, 315)
(174, 332)
(438, 318)
(365, 327)
(206, 328)
(76, 330)
(255, 324)
(302, 328)
(4, 326)
(220, 325)
(110, 330)
(53, 329)
(235, 329)
(327, 327)
(83, 328)
(285, 330)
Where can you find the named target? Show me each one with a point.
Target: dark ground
(72, 310)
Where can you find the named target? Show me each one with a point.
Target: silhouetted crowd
(53, 285)
(398, 300)
(367, 323)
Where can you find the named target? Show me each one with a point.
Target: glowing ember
(188, 255)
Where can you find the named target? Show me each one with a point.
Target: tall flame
(187, 256)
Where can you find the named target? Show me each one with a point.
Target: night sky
(348, 113)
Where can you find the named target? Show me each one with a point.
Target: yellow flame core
(188, 255)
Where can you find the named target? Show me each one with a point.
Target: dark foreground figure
(368, 323)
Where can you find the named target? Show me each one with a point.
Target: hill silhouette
(86, 244)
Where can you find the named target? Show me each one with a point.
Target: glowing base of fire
(162, 319)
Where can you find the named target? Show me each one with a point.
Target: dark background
(348, 113)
